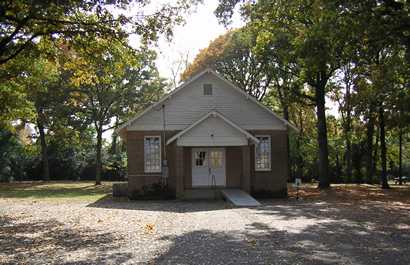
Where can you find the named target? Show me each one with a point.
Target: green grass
(55, 190)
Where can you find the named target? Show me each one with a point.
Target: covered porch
(210, 155)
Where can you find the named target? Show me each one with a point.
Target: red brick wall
(272, 182)
(233, 166)
(188, 168)
(137, 178)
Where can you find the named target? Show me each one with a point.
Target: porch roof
(213, 129)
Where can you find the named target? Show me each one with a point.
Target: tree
(107, 78)
(318, 35)
(23, 21)
(322, 40)
(178, 66)
(343, 96)
(37, 77)
(231, 55)
(401, 120)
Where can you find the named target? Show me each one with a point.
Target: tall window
(152, 154)
(263, 154)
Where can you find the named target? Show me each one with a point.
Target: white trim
(160, 154)
(270, 153)
(214, 114)
(208, 70)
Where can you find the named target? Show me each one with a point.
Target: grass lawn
(55, 190)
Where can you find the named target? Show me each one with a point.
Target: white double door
(208, 167)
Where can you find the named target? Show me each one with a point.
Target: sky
(200, 28)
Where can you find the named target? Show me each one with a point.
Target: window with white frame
(152, 154)
(263, 153)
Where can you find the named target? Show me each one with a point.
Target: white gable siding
(190, 104)
(213, 132)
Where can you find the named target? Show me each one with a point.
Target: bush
(14, 156)
(155, 191)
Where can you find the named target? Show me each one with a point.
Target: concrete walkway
(239, 198)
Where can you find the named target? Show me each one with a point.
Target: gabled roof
(213, 114)
(192, 79)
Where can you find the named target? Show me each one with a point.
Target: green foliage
(231, 55)
(105, 77)
(23, 22)
(67, 70)
(357, 53)
(13, 156)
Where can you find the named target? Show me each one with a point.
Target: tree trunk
(286, 117)
(299, 140)
(348, 158)
(322, 137)
(375, 155)
(383, 148)
(369, 147)
(43, 145)
(400, 156)
(114, 143)
(114, 139)
(337, 175)
(348, 154)
(348, 125)
(98, 163)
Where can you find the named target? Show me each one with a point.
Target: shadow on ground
(53, 190)
(52, 242)
(324, 234)
(175, 206)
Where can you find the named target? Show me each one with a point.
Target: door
(208, 167)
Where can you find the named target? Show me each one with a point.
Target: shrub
(155, 191)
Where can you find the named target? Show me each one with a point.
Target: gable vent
(208, 89)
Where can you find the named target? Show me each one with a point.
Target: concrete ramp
(239, 198)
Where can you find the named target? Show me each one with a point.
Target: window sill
(263, 170)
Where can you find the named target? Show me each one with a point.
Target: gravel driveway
(180, 232)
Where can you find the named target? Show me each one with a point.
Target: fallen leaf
(149, 228)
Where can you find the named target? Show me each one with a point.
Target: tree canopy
(338, 70)
(23, 22)
(321, 49)
(68, 71)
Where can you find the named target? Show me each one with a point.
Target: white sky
(200, 28)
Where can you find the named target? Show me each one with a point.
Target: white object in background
(298, 182)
